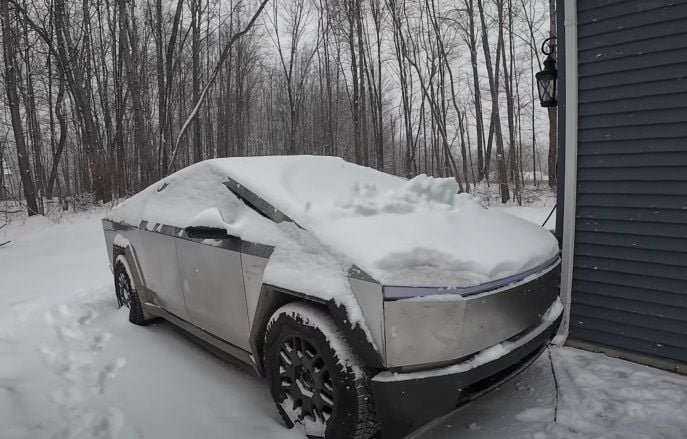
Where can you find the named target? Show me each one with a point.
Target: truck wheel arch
(133, 267)
(272, 298)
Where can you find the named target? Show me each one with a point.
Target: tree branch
(211, 80)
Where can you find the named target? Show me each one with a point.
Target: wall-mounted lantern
(547, 78)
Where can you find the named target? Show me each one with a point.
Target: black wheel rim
(305, 380)
(123, 290)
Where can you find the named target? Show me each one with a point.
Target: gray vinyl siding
(630, 266)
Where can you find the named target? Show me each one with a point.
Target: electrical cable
(555, 382)
(550, 213)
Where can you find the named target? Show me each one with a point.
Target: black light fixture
(547, 78)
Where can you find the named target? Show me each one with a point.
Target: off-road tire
(353, 413)
(122, 280)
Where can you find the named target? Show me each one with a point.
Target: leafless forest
(103, 97)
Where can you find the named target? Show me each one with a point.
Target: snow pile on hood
(420, 193)
(426, 238)
(422, 233)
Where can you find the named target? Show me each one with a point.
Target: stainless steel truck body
(384, 357)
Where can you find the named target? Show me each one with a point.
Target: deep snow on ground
(71, 366)
(533, 214)
(599, 397)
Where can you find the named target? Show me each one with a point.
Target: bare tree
(397, 12)
(128, 35)
(508, 85)
(107, 91)
(75, 73)
(471, 41)
(373, 73)
(495, 123)
(196, 12)
(9, 43)
(294, 64)
(435, 98)
(213, 75)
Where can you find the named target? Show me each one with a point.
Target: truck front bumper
(406, 401)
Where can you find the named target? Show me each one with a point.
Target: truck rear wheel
(316, 381)
(126, 293)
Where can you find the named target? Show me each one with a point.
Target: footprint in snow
(109, 371)
(74, 357)
(7, 334)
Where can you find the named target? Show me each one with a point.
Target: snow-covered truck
(369, 303)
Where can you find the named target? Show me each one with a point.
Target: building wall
(629, 281)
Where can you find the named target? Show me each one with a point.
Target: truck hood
(455, 248)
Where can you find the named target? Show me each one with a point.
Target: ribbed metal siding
(630, 265)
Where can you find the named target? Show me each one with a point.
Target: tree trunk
(195, 50)
(33, 126)
(161, 87)
(352, 8)
(495, 117)
(479, 121)
(361, 77)
(129, 53)
(513, 173)
(59, 113)
(75, 76)
(9, 41)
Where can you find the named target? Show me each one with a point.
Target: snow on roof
(401, 232)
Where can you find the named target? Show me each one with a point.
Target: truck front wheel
(316, 380)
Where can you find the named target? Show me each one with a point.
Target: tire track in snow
(75, 358)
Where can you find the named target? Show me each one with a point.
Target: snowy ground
(540, 215)
(71, 366)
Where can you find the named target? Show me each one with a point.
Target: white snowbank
(534, 214)
(72, 366)
(416, 232)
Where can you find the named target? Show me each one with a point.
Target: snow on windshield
(417, 232)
